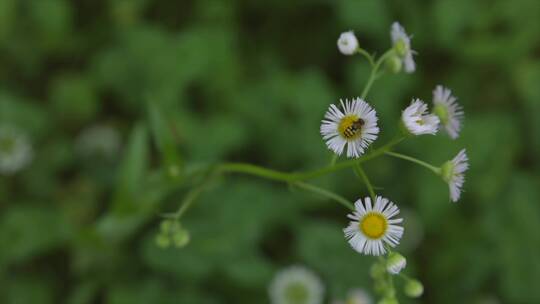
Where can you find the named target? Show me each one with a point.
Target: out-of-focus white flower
(448, 110)
(15, 150)
(395, 263)
(355, 127)
(347, 43)
(99, 140)
(402, 46)
(417, 120)
(358, 296)
(453, 172)
(371, 227)
(296, 285)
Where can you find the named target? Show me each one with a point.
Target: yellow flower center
(373, 225)
(350, 127)
(296, 293)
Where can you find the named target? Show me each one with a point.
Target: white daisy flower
(359, 296)
(15, 150)
(448, 110)
(453, 172)
(347, 43)
(355, 127)
(417, 121)
(402, 45)
(99, 140)
(296, 285)
(371, 227)
(395, 263)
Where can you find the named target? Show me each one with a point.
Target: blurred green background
(250, 81)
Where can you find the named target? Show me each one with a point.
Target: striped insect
(353, 129)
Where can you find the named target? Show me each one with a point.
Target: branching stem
(374, 72)
(435, 169)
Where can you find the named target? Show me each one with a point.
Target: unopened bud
(394, 64)
(395, 263)
(413, 288)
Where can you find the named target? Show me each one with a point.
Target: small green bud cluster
(172, 233)
(382, 273)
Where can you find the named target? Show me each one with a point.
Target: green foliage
(187, 84)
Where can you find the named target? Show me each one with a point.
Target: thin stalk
(326, 193)
(294, 178)
(374, 71)
(405, 277)
(435, 169)
(368, 56)
(300, 176)
(191, 197)
(362, 174)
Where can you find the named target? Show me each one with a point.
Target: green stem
(368, 56)
(405, 277)
(374, 70)
(191, 197)
(435, 169)
(299, 176)
(293, 178)
(358, 169)
(334, 159)
(326, 193)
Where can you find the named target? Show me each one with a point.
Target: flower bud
(395, 263)
(413, 288)
(394, 64)
(377, 271)
(162, 241)
(181, 238)
(347, 43)
(380, 286)
(166, 226)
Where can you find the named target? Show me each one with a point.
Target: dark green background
(250, 81)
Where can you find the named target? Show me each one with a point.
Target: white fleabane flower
(355, 127)
(395, 263)
(402, 46)
(453, 172)
(347, 43)
(448, 110)
(99, 140)
(15, 150)
(296, 285)
(417, 120)
(371, 227)
(359, 296)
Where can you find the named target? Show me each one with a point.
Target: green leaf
(22, 236)
(132, 170)
(162, 131)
